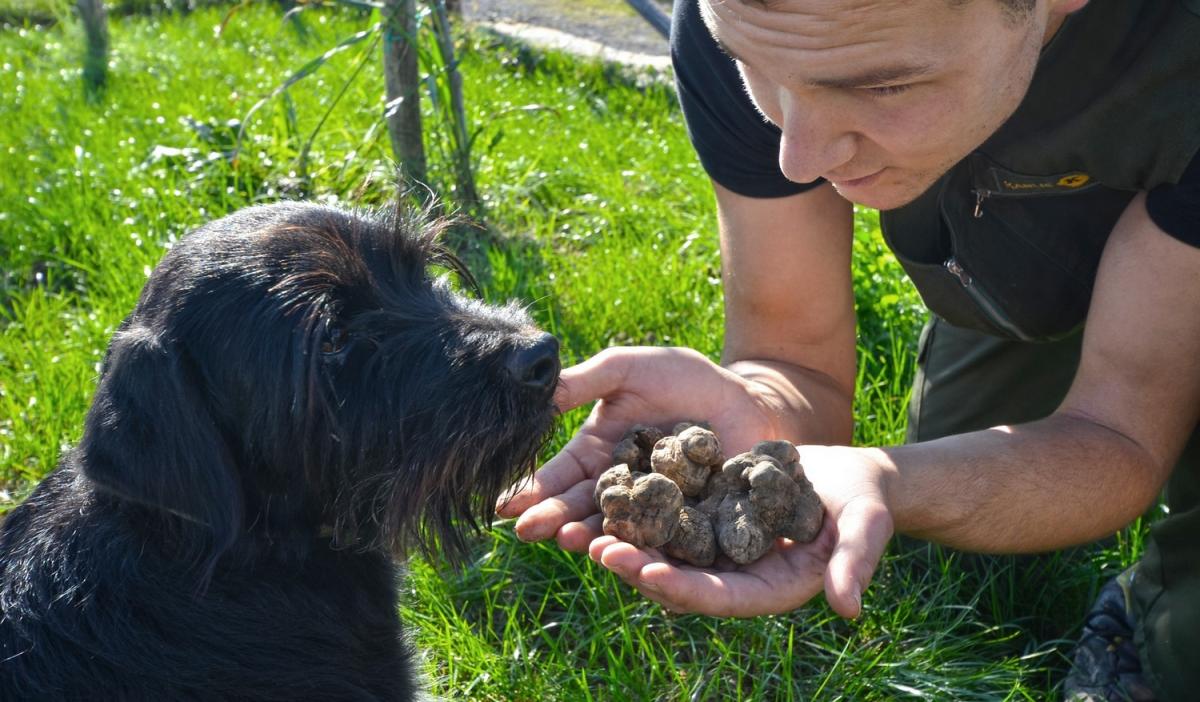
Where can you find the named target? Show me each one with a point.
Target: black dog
(295, 402)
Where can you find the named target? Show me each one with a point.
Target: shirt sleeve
(1175, 208)
(737, 147)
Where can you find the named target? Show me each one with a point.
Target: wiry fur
(294, 403)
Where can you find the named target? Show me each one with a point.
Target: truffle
(688, 458)
(783, 505)
(701, 446)
(635, 447)
(694, 540)
(645, 515)
(617, 475)
(740, 532)
(695, 507)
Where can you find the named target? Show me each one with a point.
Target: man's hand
(789, 348)
(662, 386)
(841, 561)
(637, 385)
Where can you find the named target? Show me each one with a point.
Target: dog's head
(294, 368)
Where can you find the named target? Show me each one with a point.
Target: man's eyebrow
(887, 75)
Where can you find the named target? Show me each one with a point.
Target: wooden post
(402, 82)
(464, 176)
(95, 60)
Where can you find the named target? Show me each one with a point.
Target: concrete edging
(547, 38)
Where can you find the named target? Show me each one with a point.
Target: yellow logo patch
(1074, 180)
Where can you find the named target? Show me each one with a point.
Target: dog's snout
(536, 365)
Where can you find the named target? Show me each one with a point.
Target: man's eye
(886, 90)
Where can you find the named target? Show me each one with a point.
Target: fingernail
(650, 587)
(526, 532)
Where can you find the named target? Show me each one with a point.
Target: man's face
(880, 98)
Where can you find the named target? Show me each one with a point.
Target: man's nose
(816, 141)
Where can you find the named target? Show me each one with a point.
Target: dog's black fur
(296, 401)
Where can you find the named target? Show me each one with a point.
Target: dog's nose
(535, 366)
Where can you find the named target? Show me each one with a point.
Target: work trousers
(968, 381)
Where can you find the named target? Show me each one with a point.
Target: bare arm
(1095, 464)
(789, 373)
(790, 333)
(789, 307)
(1102, 458)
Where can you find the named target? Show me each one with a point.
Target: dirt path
(612, 23)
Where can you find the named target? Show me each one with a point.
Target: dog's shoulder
(55, 503)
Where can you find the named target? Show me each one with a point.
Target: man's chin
(877, 193)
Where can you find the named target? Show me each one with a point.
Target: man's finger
(598, 544)
(731, 594)
(514, 500)
(577, 536)
(624, 559)
(685, 589)
(544, 519)
(596, 378)
(863, 530)
(567, 468)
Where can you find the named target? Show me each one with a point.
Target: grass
(602, 220)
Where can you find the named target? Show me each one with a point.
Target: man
(1035, 164)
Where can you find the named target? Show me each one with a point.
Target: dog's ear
(149, 437)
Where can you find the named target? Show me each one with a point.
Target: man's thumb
(596, 378)
(864, 529)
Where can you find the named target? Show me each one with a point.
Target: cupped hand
(789, 575)
(634, 385)
(840, 561)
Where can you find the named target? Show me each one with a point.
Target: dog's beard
(436, 474)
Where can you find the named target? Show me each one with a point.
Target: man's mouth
(858, 182)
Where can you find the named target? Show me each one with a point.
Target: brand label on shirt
(1002, 181)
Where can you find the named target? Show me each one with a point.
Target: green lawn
(601, 220)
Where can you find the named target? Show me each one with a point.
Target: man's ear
(150, 438)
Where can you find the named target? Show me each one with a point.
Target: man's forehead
(818, 24)
(836, 43)
(827, 10)
(817, 8)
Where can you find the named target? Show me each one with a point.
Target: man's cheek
(924, 127)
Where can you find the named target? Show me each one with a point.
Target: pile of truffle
(678, 493)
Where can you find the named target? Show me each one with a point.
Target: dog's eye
(334, 342)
